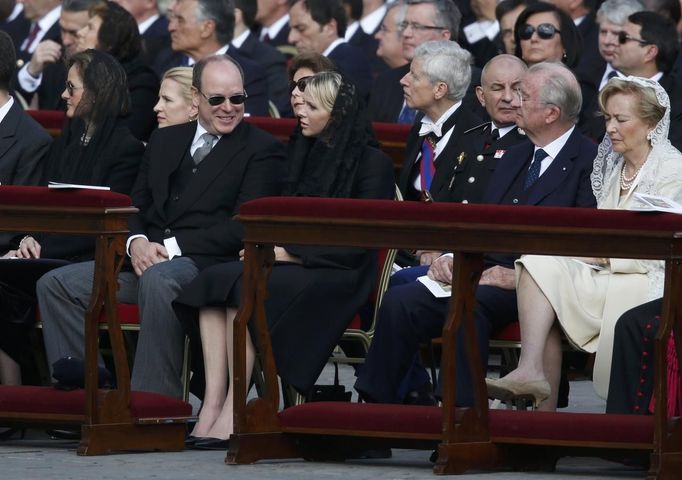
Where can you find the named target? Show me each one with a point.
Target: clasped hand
(144, 254)
(501, 277)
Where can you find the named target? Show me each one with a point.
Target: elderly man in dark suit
(200, 28)
(319, 26)
(192, 181)
(425, 20)
(551, 169)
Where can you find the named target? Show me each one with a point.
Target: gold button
(20, 63)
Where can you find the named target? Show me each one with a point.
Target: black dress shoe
(10, 432)
(421, 396)
(190, 440)
(210, 443)
(74, 434)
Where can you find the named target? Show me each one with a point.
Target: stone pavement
(38, 457)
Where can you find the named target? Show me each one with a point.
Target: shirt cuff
(130, 240)
(27, 81)
(172, 248)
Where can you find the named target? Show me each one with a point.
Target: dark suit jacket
(143, 85)
(245, 164)
(590, 65)
(23, 147)
(50, 90)
(17, 29)
(368, 44)
(155, 39)
(275, 64)
(445, 162)
(255, 78)
(566, 183)
(350, 61)
(281, 39)
(54, 34)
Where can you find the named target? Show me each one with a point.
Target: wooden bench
(466, 438)
(110, 420)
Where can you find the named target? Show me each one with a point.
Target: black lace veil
(325, 166)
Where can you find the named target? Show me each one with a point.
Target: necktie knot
(204, 149)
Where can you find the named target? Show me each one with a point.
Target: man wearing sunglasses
(201, 28)
(648, 47)
(193, 178)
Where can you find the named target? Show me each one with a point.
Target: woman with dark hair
(314, 291)
(113, 30)
(301, 68)
(95, 148)
(545, 33)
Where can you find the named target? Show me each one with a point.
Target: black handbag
(329, 393)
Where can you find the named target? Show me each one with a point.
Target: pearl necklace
(626, 182)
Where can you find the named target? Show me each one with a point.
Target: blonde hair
(183, 77)
(323, 88)
(649, 110)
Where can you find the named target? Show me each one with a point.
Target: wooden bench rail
(107, 419)
(465, 439)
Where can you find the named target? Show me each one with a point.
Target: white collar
(274, 29)
(370, 23)
(221, 51)
(351, 29)
(197, 135)
(5, 108)
(50, 19)
(18, 8)
(657, 77)
(239, 41)
(332, 46)
(553, 148)
(429, 126)
(144, 25)
(502, 130)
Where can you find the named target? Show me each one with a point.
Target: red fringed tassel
(673, 382)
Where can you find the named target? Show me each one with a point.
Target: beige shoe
(506, 390)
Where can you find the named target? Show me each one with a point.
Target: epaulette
(473, 129)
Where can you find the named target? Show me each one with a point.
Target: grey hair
(445, 61)
(618, 11)
(402, 4)
(221, 12)
(447, 15)
(560, 88)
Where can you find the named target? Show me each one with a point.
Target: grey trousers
(63, 296)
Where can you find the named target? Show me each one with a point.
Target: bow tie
(427, 128)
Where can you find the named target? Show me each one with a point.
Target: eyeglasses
(70, 87)
(545, 31)
(216, 100)
(418, 27)
(301, 83)
(624, 38)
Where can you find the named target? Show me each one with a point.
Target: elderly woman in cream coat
(584, 297)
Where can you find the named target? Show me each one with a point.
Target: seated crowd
(530, 103)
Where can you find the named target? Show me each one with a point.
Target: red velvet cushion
(391, 132)
(48, 118)
(50, 400)
(127, 313)
(503, 423)
(46, 197)
(508, 333)
(277, 127)
(328, 208)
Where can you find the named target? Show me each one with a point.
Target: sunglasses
(216, 100)
(70, 87)
(545, 31)
(301, 83)
(624, 38)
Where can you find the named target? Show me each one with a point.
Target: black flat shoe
(191, 440)
(64, 434)
(210, 443)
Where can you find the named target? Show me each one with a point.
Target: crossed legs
(217, 335)
(540, 358)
